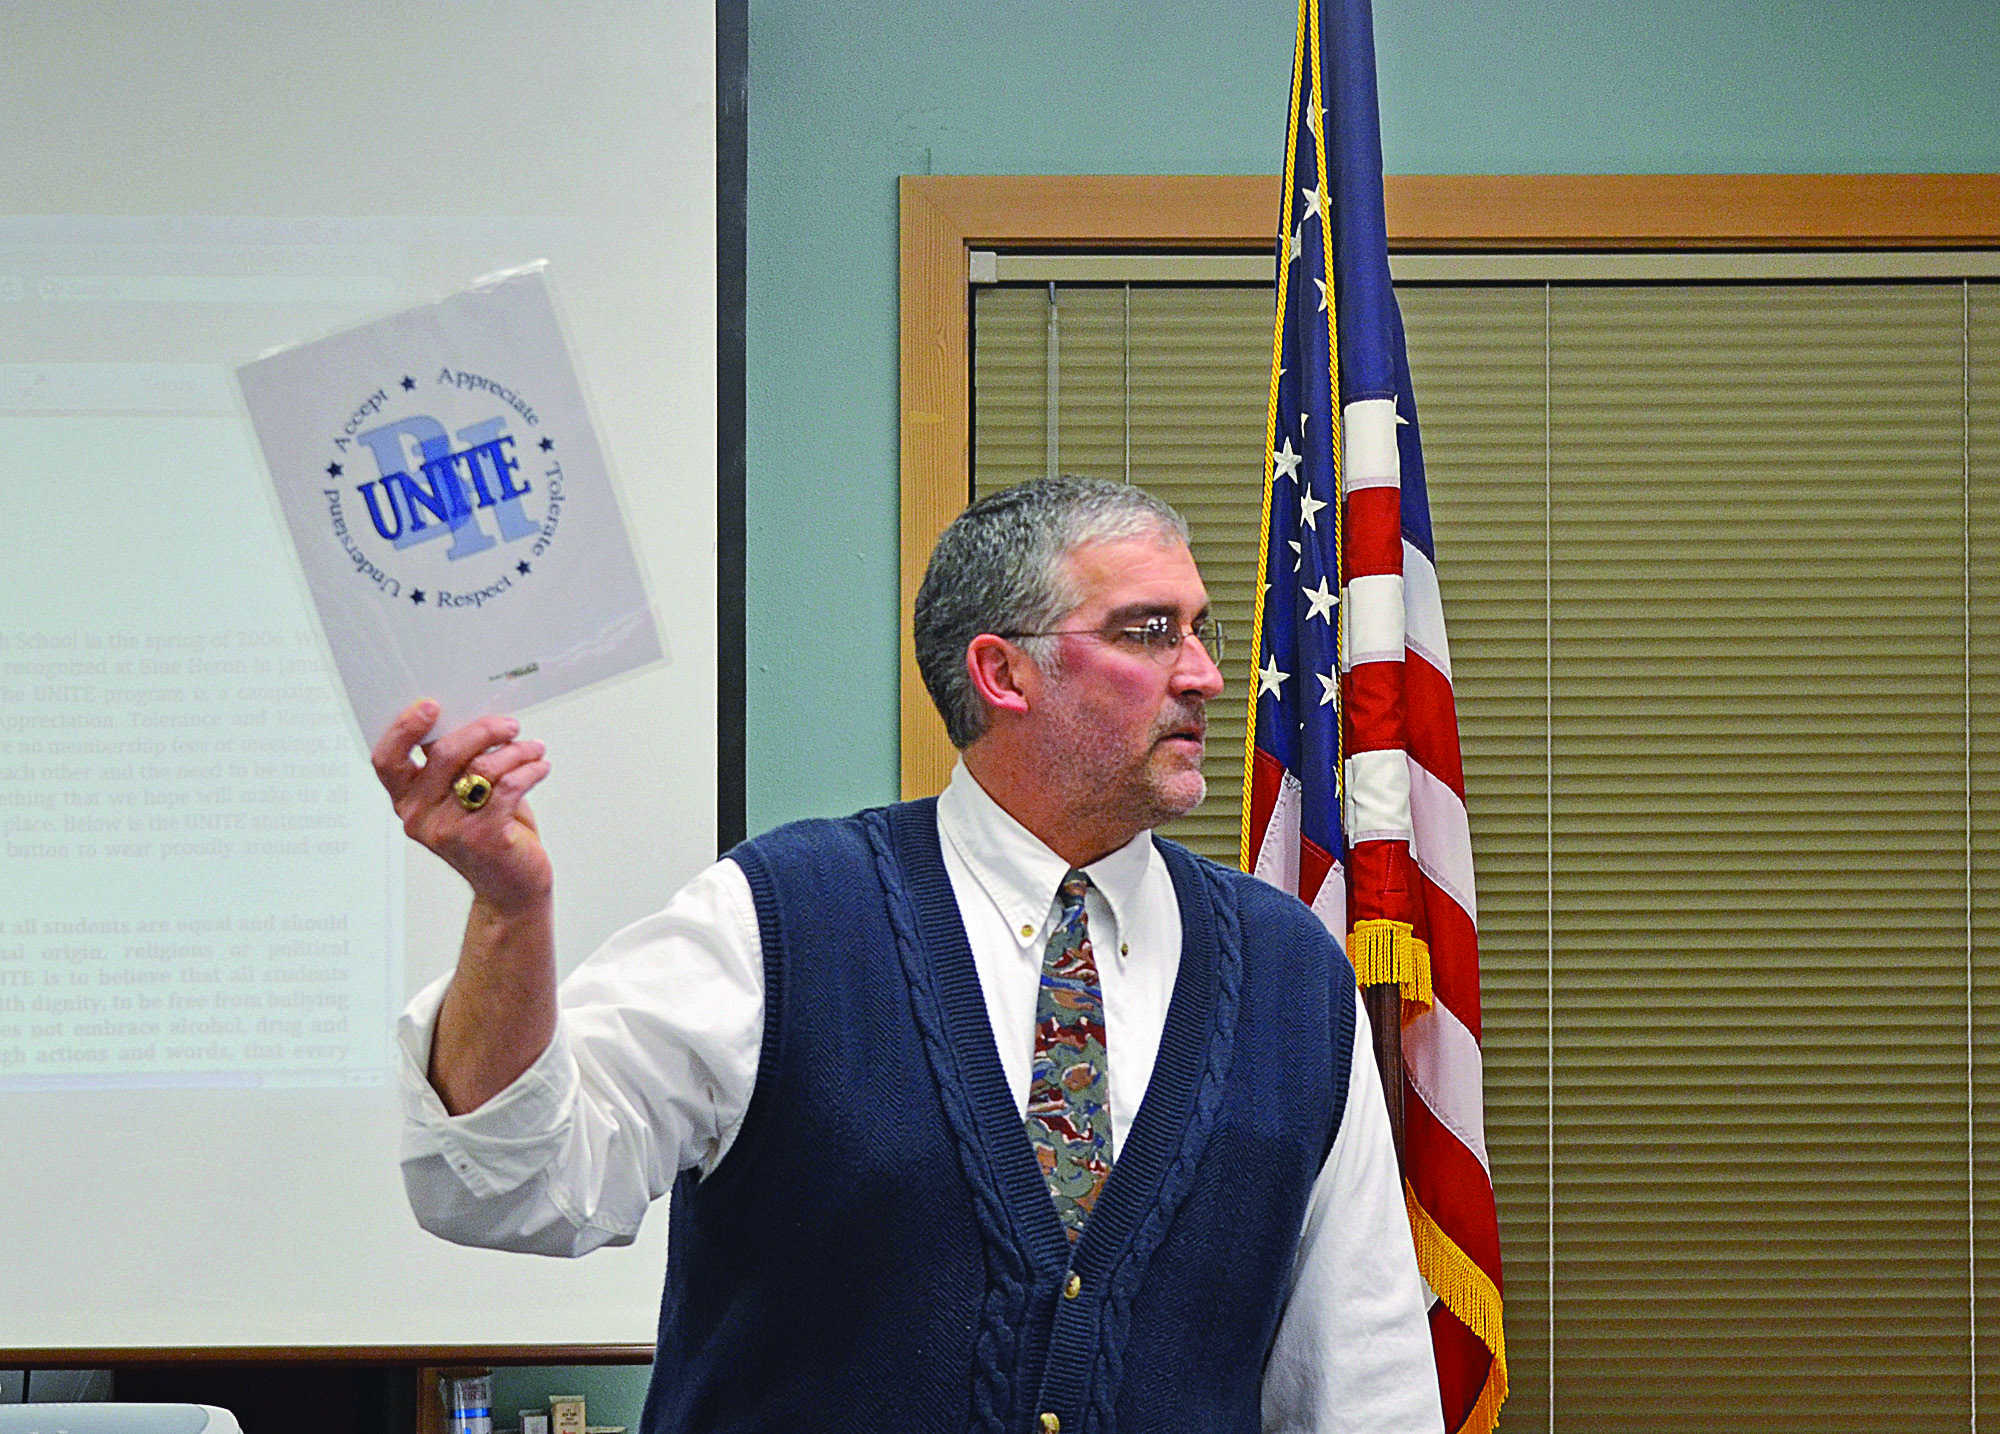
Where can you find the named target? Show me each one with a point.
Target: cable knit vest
(878, 1250)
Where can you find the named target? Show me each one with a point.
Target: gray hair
(1000, 568)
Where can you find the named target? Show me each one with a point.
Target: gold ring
(472, 790)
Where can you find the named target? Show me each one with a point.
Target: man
(983, 1113)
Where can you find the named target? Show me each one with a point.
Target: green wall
(844, 98)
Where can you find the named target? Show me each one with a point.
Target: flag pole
(1385, 1015)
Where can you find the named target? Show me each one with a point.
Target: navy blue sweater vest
(878, 1250)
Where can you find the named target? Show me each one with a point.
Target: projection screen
(208, 917)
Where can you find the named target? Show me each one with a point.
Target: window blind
(1719, 567)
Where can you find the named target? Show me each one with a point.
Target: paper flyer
(451, 507)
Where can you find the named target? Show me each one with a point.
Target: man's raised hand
(493, 845)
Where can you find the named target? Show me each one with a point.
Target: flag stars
(1269, 679)
(1315, 199)
(1298, 245)
(1329, 688)
(1285, 462)
(1323, 601)
(1309, 507)
(1322, 294)
(1298, 554)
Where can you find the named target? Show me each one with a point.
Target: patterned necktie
(1069, 1097)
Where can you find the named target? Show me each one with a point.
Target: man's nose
(1196, 672)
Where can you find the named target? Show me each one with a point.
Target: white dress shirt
(655, 1057)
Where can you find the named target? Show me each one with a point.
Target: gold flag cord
(1270, 449)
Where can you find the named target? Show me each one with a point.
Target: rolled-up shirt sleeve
(1353, 1350)
(650, 1073)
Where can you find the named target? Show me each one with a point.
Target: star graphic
(1329, 688)
(1323, 601)
(416, 594)
(333, 470)
(1309, 507)
(547, 443)
(408, 383)
(1297, 246)
(1269, 679)
(1315, 199)
(1285, 462)
(522, 566)
(1322, 294)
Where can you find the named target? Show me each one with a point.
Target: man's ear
(1002, 675)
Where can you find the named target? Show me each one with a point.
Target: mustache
(1188, 719)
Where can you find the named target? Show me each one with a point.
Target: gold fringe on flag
(1389, 953)
(1486, 1412)
(1470, 1295)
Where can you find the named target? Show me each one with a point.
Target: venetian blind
(1982, 434)
(1715, 564)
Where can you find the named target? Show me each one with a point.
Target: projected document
(201, 882)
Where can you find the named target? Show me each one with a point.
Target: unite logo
(453, 489)
(456, 505)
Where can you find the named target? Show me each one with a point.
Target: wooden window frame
(945, 217)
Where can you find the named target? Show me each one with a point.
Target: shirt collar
(1019, 872)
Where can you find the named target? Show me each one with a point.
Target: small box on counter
(566, 1414)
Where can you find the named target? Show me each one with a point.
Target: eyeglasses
(1158, 637)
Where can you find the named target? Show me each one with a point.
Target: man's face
(1125, 724)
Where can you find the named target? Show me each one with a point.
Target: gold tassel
(1470, 1295)
(1389, 953)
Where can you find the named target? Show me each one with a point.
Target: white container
(468, 1405)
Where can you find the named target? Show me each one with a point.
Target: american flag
(1355, 797)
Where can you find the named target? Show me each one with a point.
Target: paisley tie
(1069, 1094)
